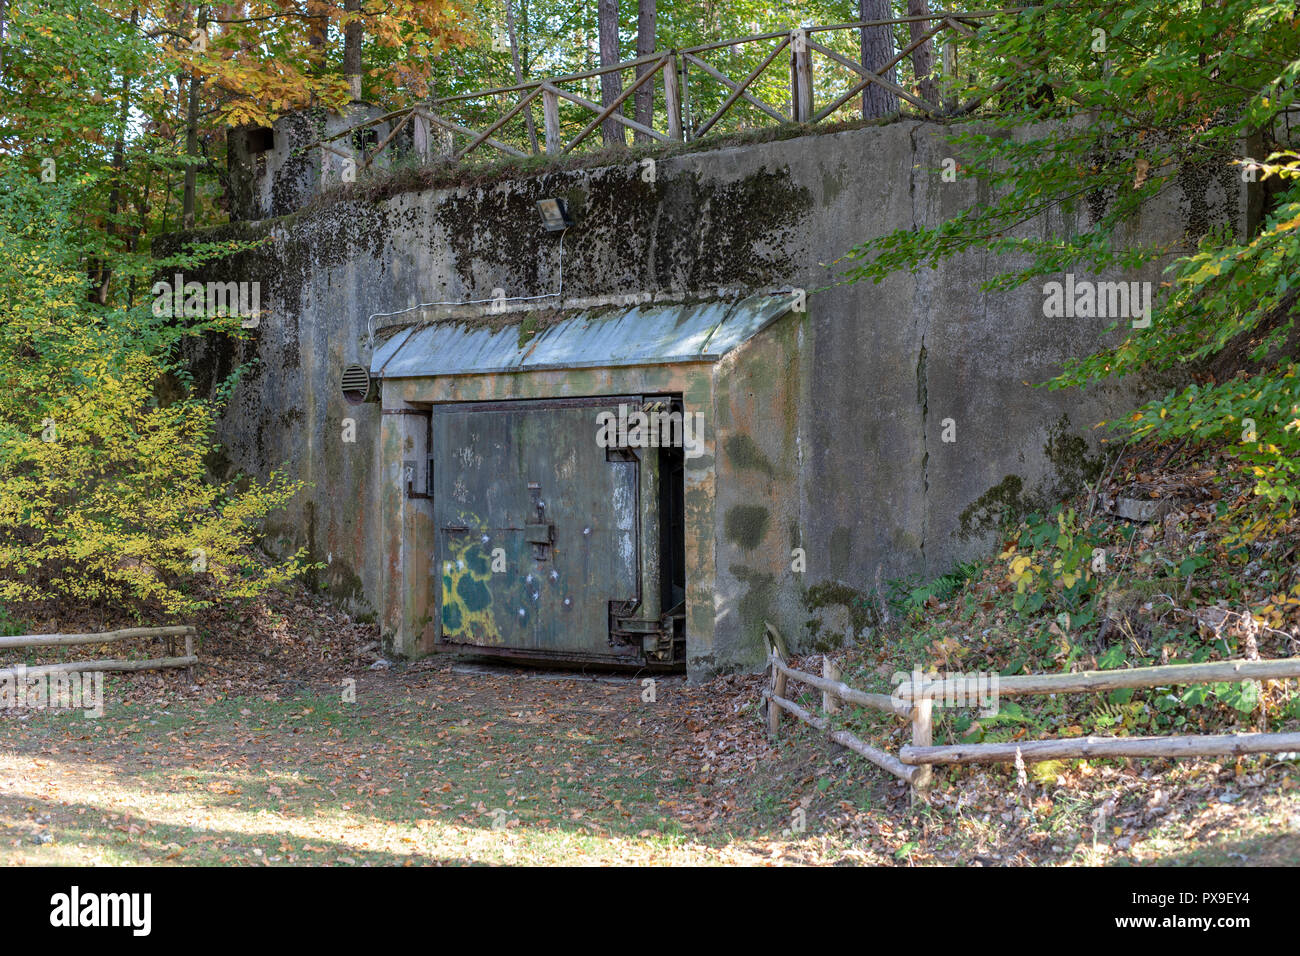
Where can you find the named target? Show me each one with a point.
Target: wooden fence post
(778, 690)
(830, 703)
(673, 98)
(422, 138)
(922, 730)
(551, 120)
(801, 77)
(950, 76)
(687, 123)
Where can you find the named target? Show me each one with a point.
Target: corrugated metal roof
(652, 334)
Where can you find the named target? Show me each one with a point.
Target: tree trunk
(115, 193)
(877, 50)
(525, 49)
(519, 73)
(923, 55)
(611, 84)
(192, 140)
(352, 50)
(317, 32)
(644, 97)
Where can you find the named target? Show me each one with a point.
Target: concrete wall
(280, 180)
(880, 493)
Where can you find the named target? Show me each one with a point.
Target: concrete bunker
(558, 493)
(830, 465)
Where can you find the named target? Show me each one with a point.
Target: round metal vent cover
(356, 384)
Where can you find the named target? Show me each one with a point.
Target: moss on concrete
(862, 608)
(1009, 500)
(743, 452)
(1074, 467)
(746, 525)
(755, 607)
(486, 168)
(999, 506)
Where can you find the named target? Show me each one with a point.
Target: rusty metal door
(537, 529)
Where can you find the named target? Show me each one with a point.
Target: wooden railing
(693, 97)
(170, 634)
(914, 702)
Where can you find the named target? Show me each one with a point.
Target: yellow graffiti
(466, 594)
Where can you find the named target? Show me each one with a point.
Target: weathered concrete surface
(279, 180)
(880, 493)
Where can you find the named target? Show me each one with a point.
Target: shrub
(1050, 563)
(104, 495)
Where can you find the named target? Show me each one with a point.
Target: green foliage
(1050, 564)
(1010, 718)
(104, 496)
(9, 626)
(909, 596)
(1177, 89)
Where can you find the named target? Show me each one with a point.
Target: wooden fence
(686, 83)
(170, 634)
(915, 701)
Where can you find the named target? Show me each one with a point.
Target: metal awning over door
(650, 334)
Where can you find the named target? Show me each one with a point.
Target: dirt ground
(265, 759)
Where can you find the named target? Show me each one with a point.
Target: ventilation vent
(356, 384)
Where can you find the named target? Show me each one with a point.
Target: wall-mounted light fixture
(555, 215)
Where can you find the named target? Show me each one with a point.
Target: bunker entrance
(547, 486)
(557, 537)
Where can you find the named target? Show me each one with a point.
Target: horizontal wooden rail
(1088, 681)
(104, 637)
(156, 663)
(675, 65)
(915, 703)
(1081, 747)
(846, 693)
(845, 739)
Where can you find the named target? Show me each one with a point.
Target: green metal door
(537, 530)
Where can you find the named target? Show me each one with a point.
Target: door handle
(543, 534)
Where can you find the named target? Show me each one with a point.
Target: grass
(437, 767)
(455, 770)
